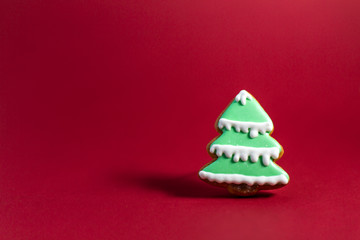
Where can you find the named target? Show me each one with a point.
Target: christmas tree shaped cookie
(245, 153)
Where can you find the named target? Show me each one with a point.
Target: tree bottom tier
(224, 169)
(243, 189)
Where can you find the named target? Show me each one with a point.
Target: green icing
(231, 137)
(226, 165)
(250, 112)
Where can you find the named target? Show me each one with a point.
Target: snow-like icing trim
(243, 153)
(242, 96)
(239, 178)
(255, 127)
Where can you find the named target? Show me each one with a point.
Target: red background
(106, 108)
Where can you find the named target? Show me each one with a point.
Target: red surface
(106, 108)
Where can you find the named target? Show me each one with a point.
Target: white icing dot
(236, 157)
(254, 133)
(228, 154)
(242, 96)
(254, 157)
(244, 156)
(266, 159)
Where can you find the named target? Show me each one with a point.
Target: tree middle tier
(241, 146)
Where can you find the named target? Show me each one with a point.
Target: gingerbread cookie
(244, 154)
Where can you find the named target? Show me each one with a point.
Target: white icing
(242, 96)
(243, 153)
(239, 178)
(255, 127)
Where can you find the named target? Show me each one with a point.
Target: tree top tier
(245, 114)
